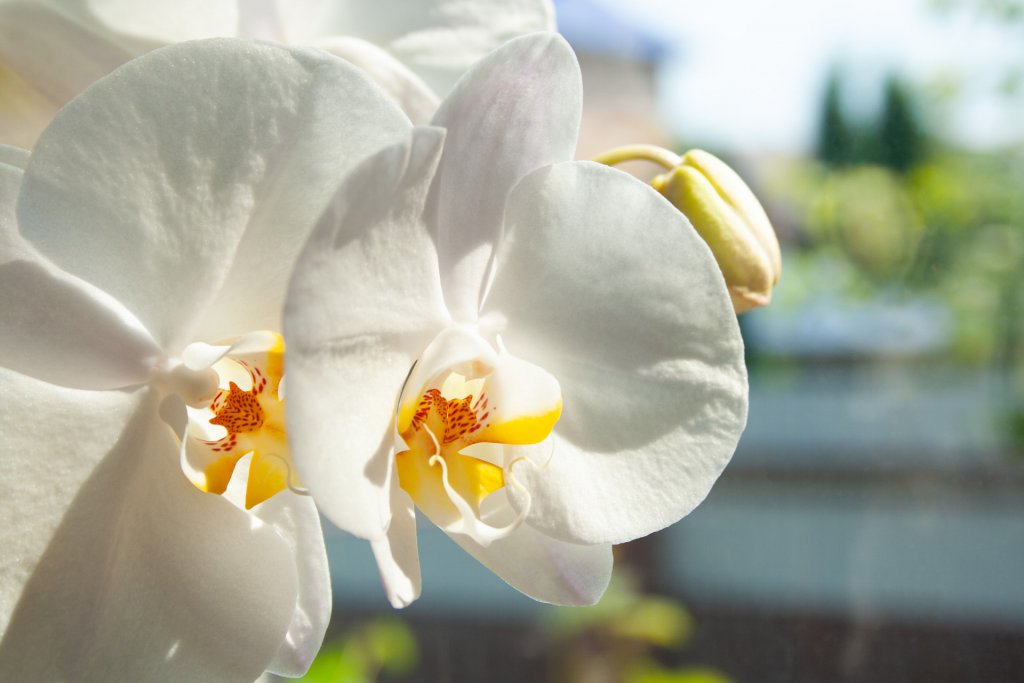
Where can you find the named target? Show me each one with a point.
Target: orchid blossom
(539, 355)
(50, 50)
(153, 525)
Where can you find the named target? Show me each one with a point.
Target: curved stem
(658, 155)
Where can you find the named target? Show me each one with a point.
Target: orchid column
(539, 355)
(144, 252)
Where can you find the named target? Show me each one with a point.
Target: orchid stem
(658, 155)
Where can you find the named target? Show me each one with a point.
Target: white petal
(515, 111)
(190, 208)
(70, 431)
(58, 328)
(12, 245)
(295, 519)
(414, 97)
(439, 39)
(54, 326)
(397, 554)
(143, 577)
(606, 286)
(543, 567)
(158, 22)
(14, 156)
(260, 20)
(46, 58)
(364, 301)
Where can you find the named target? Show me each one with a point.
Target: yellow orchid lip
(453, 413)
(249, 411)
(442, 427)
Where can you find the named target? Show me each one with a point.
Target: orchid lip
(243, 419)
(459, 429)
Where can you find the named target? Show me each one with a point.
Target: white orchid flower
(50, 50)
(538, 354)
(156, 225)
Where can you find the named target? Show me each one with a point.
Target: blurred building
(619, 52)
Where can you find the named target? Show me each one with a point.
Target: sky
(748, 74)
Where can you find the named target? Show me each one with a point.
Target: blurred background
(871, 524)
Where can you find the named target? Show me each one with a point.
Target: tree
(836, 137)
(901, 138)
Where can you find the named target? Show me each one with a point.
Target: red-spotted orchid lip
(237, 441)
(460, 424)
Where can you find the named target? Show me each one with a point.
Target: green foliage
(626, 614)
(959, 192)
(974, 208)
(1010, 11)
(383, 645)
(612, 641)
(867, 212)
(651, 672)
(952, 228)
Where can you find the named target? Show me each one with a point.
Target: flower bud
(728, 216)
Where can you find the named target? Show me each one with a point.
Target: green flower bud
(728, 216)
